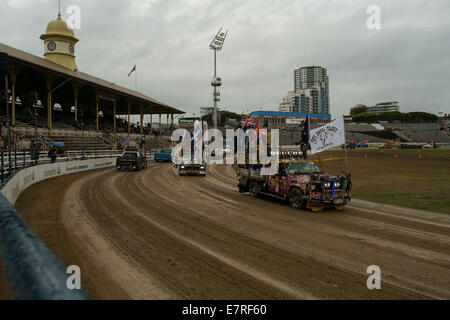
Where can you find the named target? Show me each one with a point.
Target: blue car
(164, 155)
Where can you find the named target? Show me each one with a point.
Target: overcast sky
(407, 60)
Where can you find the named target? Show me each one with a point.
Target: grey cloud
(407, 60)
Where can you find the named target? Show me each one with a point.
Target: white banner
(328, 136)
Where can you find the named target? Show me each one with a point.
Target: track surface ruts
(152, 234)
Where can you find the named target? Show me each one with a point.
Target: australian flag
(248, 122)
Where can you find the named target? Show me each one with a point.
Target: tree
(224, 117)
(365, 117)
(358, 109)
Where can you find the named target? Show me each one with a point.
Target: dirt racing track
(154, 235)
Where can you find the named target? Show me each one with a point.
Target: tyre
(242, 189)
(295, 198)
(254, 189)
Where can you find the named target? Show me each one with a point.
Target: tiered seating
(422, 132)
(77, 142)
(157, 142)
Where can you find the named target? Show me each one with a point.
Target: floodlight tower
(216, 45)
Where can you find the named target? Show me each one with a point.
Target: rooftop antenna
(59, 9)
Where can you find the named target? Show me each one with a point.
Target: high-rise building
(311, 86)
(310, 77)
(290, 103)
(310, 93)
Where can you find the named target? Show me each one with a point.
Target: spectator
(52, 154)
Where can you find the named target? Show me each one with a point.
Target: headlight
(202, 167)
(337, 184)
(182, 167)
(327, 185)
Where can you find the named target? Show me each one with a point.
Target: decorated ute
(300, 182)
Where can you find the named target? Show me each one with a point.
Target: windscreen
(129, 155)
(303, 167)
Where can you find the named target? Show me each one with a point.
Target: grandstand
(422, 132)
(71, 106)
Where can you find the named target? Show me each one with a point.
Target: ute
(131, 160)
(192, 169)
(164, 155)
(300, 182)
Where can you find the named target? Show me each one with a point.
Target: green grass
(408, 180)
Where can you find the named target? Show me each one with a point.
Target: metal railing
(34, 272)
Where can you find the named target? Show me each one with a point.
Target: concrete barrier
(29, 176)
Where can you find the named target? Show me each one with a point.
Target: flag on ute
(125, 141)
(132, 70)
(328, 136)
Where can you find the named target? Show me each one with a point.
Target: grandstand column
(129, 108)
(160, 124)
(167, 122)
(13, 96)
(141, 120)
(76, 89)
(96, 110)
(171, 122)
(49, 81)
(151, 123)
(114, 112)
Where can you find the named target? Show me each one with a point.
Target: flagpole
(345, 151)
(135, 79)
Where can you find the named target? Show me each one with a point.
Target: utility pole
(216, 45)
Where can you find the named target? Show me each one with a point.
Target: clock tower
(59, 44)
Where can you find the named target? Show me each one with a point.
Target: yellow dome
(58, 27)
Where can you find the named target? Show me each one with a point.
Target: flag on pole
(328, 136)
(247, 122)
(132, 70)
(306, 130)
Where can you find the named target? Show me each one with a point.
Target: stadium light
(216, 45)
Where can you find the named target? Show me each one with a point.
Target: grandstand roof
(149, 105)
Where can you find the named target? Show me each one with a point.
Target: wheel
(317, 209)
(295, 198)
(254, 189)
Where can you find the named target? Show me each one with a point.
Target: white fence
(29, 176)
